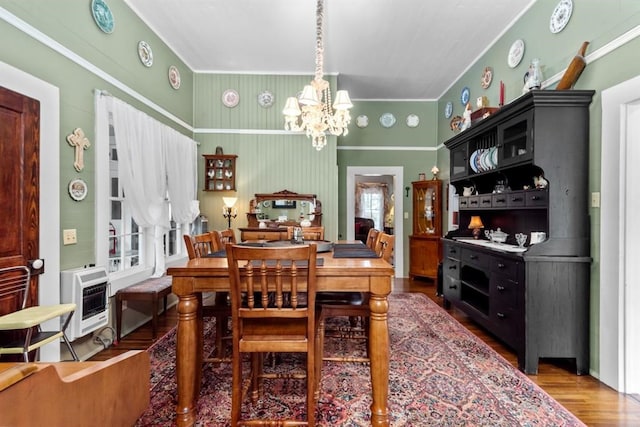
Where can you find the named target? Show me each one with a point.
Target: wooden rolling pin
(574, 69)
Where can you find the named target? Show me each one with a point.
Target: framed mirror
(284, 208)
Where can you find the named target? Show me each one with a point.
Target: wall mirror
(284, 208)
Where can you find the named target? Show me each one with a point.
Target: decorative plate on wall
(413, 120)
(362, 121)
(516, 52)
(265, 99)
(230, 98)
(448, 110)
(145, 53)
(487, 76)
(560, 16)
(102, 15)
(387, 120)
(174, 77)
(464, 96)
(77, 189)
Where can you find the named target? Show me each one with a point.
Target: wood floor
(591, 401)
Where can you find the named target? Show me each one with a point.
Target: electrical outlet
(595, 199)
(69, 237)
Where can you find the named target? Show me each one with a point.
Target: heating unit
(88, 289)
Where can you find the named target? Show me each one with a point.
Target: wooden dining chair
(372, 238)
(308, 233)
(223, 237)
(198, 246)
(354, 305)
(268, 317)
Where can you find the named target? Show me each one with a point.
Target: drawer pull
(473, 256)
(535, 197)
(452, 251)
(452, 267)
(474, 202)
(486, 201)
(501, 265)
(500, 315)
(453, 286)
(500, 288)
(516, 199)
(501, 200)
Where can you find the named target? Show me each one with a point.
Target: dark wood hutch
(536, 298)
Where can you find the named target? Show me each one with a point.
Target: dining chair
(372, 238)
(308, 233)
(264, 322)
(354, 305)
(202, 245)
(24, 326)
(223, 237)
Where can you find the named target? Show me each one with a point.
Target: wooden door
(19, 183)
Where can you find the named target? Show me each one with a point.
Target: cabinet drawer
(505, 266)
(485, 201)
(474, 202)
(451, 268)
(264, 235)
(476, 259)
(499, 200)
(450, 251)
(536, 198)
(505, 326)
(451, 288)
(463, 202)
(503, 293)
(515, 199)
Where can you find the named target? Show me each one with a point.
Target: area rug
(440, 374)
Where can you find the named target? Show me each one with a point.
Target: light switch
(69, 237)
(595, 199)
(406, 215)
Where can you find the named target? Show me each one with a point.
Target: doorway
(619, 346)
(395, 173)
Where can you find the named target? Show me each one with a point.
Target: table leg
(187, 359)
(379, 351)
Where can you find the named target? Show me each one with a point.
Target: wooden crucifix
(80, 143)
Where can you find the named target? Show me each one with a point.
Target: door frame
(49, 97)
(619, 344)
(398, 173)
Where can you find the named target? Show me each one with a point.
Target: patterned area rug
(440, 375)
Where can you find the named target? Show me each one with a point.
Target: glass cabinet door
(459, 163)
(515, 140)
(426, 207)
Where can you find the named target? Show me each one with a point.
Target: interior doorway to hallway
(392, 174)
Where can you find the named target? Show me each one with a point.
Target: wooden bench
(149, 290)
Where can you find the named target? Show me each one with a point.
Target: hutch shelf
(534, 298)
(220, 172)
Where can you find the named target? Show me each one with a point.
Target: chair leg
(66, 339)
(311, 384)
(236, 388)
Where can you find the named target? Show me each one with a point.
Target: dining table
(347, 272)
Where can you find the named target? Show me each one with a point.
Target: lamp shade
(475, 222)
(309, 96)
(229, 201)
(342, 101)
(291, 107)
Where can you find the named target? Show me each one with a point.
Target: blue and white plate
(472, 161)
(464, 96)
(387, 120)
(102, 15)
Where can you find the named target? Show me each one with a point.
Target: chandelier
(313, 113)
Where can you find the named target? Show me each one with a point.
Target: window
(372, 205)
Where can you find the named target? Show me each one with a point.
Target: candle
(501, 94)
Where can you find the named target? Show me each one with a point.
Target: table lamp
(228, 211)
(476, 224)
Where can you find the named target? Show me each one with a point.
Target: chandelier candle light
(313, 113)
(228, 211)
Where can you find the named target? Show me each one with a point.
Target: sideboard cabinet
(424, 241)
(532, 178)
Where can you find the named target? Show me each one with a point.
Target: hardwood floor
(591, 401)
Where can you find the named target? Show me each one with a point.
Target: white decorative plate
(77, 189)
(516, 52)
(560, 16)
(174, 77)
(102, 15)
(145, 53)
(387, 120)
(413, 120)
(362, 121)
(487, 76)
(448, 110)
(265, 99)
(464, 96)
(230, 98)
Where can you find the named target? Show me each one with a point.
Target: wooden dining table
(373, 275)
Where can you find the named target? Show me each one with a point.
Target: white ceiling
(380, 49)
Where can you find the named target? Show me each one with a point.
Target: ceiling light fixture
(317, 115)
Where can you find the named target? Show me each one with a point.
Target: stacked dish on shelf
(484, 159)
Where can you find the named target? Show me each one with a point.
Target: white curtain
(154, 161)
